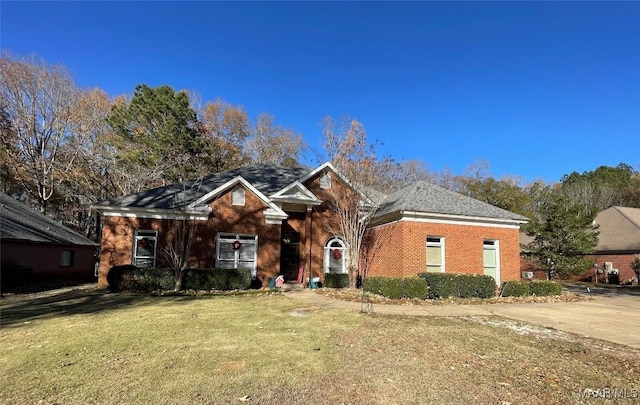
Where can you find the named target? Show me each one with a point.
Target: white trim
(197, 213)
(327, 252)
(328, 165)
(238, 196)
(236, 253)
(284, 195)
(273, 213)
(496, 248)
(414, 216)
(441, 245)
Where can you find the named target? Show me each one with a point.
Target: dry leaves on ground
(348, 294)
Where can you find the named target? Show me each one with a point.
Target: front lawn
(85, 347)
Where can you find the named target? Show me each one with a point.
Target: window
(491, 259)
(66, 258)
(435, 254)
(144, 248)
(335, 260)
(237, 196)
(325, 181)
(236, 251)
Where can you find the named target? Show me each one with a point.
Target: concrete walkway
(615, 319)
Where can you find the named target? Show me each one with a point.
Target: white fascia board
(277, 211)
(415, 216)
(197, 213)
(343, 177)
(284, 196)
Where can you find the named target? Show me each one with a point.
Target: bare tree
(38, 101)
(225, 128)
(272, 144)
(370, 179)
(177, 250)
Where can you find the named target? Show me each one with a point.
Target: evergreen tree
(562, 232)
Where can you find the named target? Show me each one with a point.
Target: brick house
(425, 227)
(274, 221)
(35, 248)
(618, 242)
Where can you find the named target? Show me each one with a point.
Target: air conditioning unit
(526, 274)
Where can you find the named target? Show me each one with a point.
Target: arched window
(335, 256)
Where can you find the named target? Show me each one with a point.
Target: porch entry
(290, 255)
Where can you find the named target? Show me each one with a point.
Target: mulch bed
(347, 294)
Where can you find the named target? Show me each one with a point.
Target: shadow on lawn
(73, 302)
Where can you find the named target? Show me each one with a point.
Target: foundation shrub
(545, 288)
(445, 285)
(332, 280)
(396, 288)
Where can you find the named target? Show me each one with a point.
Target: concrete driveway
(612, 315)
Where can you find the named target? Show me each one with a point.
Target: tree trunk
(178, 279)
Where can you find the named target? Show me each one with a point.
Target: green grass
(84, 348)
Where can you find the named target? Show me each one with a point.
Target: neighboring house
(425, 227)
(36, 248)
(273, 220)
(618, 241)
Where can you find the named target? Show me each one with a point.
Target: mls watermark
(610, 393)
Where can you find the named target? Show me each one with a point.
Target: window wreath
(337, 254)
(236, 245)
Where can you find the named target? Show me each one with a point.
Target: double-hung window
(237, 251)
(435, 254)
(144, 248)
(491, 259)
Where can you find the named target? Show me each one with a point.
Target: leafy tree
(272, 144)
(604, 187)
(562, 232)
(38, 105)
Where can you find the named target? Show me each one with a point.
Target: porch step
(292, 287)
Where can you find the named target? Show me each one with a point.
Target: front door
(290, 255)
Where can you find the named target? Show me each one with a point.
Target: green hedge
(445, 285)
(526, 288)
(217, 279)
(332, 280)
(515, 289)
(130, 278)
(396, 288)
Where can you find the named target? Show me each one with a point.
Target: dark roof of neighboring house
(268, 179)
(21, 222)
(619, 229)
(425, 197)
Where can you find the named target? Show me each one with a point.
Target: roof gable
(267, 179)
(21, 222)
(618, 229)
(296, 193)
(423, 198)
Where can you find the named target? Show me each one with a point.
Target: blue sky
(536, 89)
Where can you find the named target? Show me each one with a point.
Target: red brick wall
(622, 262)
(323, 221)
(406, 248)
(118, 233)
(44, 259)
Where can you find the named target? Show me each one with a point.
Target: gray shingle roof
(619, 229)
(20, 222)
(268, 179)
(425, 197)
